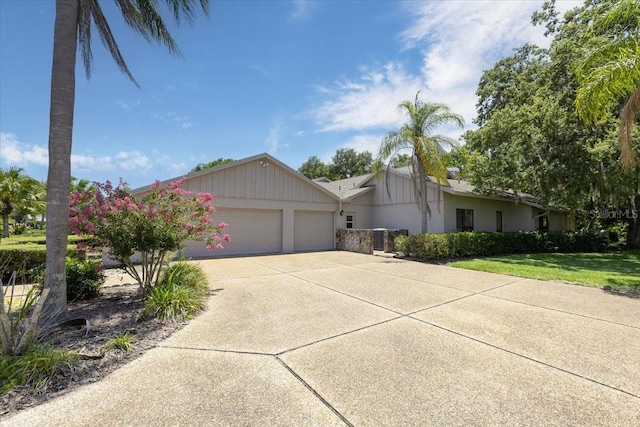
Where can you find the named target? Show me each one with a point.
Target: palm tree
(74, 22)
(610, 73)
(427, 149)
(17, 191)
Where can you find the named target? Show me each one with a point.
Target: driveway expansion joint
(218, 350)
(315, 393)
(339, 335)
(531, 359)
(563, 312)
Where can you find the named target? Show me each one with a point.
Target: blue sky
(290, 78)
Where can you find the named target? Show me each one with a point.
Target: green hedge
(458, 245)
(29, 259)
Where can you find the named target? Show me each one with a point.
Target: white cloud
(364, 142)
(83, 162)
(133, 160)
(127, 105)
(371, 101)
(300, 10)
(273, 138)
(457, 41)
(260, 69)
(123, 160)
(15, 152)
(184, 122)
(176, 168)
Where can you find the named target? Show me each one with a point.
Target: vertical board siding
(401, 189)
(253, 181)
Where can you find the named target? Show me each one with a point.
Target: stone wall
(355, 240)
(389, 237)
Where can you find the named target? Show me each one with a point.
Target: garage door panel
(252, 231)
(313, 231)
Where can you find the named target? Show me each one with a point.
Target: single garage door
(252, 231)
(313, 231)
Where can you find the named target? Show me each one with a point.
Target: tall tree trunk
(65, 39)
(5, 224)
(424, 200)
(633, 233)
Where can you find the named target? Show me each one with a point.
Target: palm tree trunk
(5, 224)
(63, 85)
(424, 200)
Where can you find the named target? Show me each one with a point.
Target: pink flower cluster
(162, 219)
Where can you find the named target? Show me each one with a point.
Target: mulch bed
(115, 311)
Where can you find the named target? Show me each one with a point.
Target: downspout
(335, 224)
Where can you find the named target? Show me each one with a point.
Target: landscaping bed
(114, 312)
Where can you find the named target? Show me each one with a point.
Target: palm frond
(107, 37)
(609, 73)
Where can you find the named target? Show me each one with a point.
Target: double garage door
(260, 231)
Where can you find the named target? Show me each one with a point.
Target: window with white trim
(351, 220)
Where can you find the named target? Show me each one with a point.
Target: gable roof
(454, 186)
(259, 157)
(348, 188)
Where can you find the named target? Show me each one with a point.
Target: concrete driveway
(337, 338)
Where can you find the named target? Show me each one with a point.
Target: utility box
(378, 239)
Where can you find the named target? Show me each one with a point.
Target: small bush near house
(84, 279)
(180, 293)
(458, 245)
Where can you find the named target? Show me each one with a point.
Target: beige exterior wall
(560, 221)
(360, 207)
(406, 217)
(253, 186)
(514, 217)
(398, 210)
(252, 181)
(400, 190)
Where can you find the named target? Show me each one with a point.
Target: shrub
(180, 293)
(36, 367)
(84, 279)
(19, 316)
(154, 226)
(28, 259)
(456, 245)
(18, 228)
(121, 342)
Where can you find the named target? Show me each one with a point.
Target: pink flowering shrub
(159, 223)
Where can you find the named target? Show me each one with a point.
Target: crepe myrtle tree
(154, 226)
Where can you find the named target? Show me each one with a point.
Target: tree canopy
(610, 72)
(530, 136)
(18, 192)
(427, 148)
(345, 163)
(213, 163)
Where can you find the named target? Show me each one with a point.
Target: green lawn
(616, 269)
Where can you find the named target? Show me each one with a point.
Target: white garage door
(252, 231)
(313, 231)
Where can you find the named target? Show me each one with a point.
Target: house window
(464, 219)
(543, 223)
(351, 220)
(498, 220)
